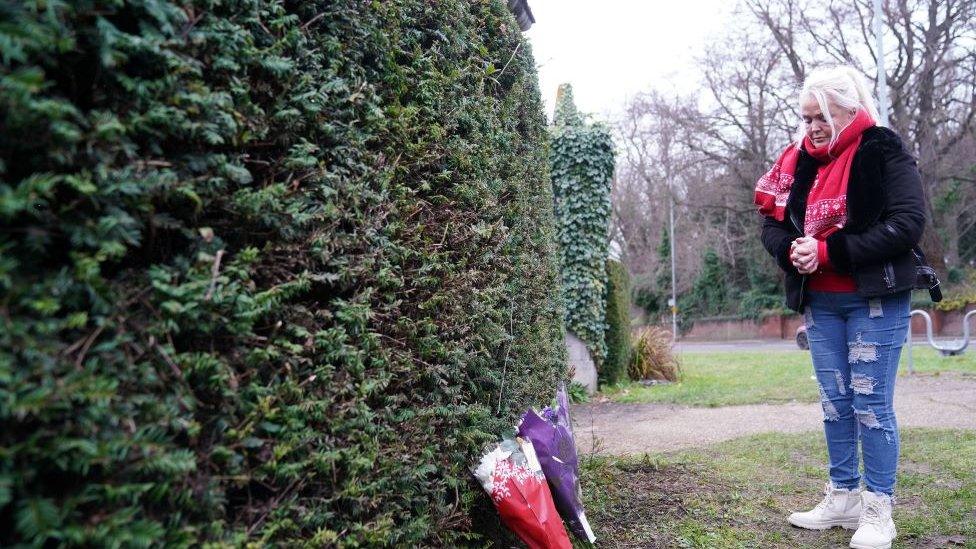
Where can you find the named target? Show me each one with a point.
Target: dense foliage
(764, 295)
(713, 293)
(960, 293)
(270, 272)
(582, 171)
(709, 294)
(617, 336)
(653, 295)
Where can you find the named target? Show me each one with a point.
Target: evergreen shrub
(764, 294)
(617, 336)
(271, 272)
(711, 293)
(654, 294)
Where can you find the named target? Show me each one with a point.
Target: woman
(843, 211)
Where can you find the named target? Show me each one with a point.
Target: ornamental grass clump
(652, 357)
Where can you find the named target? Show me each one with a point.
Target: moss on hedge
(270, 271)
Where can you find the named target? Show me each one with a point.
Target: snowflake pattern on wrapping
(507, 471)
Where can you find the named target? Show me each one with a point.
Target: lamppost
(674, 296)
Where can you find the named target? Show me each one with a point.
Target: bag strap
(935, 292)
(919, 255)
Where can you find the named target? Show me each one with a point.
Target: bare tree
(932, 86)
(743, 121)
(653, 172)
(709, 148)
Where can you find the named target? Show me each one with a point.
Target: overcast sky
(611, 49)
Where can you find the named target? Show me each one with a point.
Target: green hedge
(270, 272)
(617, 335)
(582, 172)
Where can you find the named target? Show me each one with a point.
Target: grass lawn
(750, 377)
(738, 494)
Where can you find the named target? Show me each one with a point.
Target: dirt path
(947, 401)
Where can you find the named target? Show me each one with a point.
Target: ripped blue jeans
(855, 344)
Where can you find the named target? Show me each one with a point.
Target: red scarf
(827, 202)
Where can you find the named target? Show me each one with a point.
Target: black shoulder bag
(925, 276)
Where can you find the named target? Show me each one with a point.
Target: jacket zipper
(803, 277)
(889, 270)
(795, 224)
(888, 273)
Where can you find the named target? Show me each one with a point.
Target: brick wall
(944, 324)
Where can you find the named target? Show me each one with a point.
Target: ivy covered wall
(270, 272)
(582, 173)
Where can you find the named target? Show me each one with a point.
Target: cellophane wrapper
(552, 437)
(512, 476)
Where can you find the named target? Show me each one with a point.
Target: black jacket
(885, 219)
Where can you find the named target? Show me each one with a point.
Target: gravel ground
(944, 401)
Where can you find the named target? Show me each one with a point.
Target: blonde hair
(841, 85)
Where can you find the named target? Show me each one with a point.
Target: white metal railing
(955, 348)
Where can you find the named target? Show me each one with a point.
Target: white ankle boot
(875, 530)
(840, 507)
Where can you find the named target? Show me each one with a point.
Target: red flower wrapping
(514, 480)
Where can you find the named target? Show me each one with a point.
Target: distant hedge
(270, 272)
(617, 335)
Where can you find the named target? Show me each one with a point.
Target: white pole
(911, 360)
(674, 294)
(880, 54)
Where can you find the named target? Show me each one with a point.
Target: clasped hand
(803, 254)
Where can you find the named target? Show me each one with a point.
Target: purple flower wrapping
(556, 449)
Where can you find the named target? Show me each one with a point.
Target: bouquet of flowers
(552, 437)
(512, 476)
